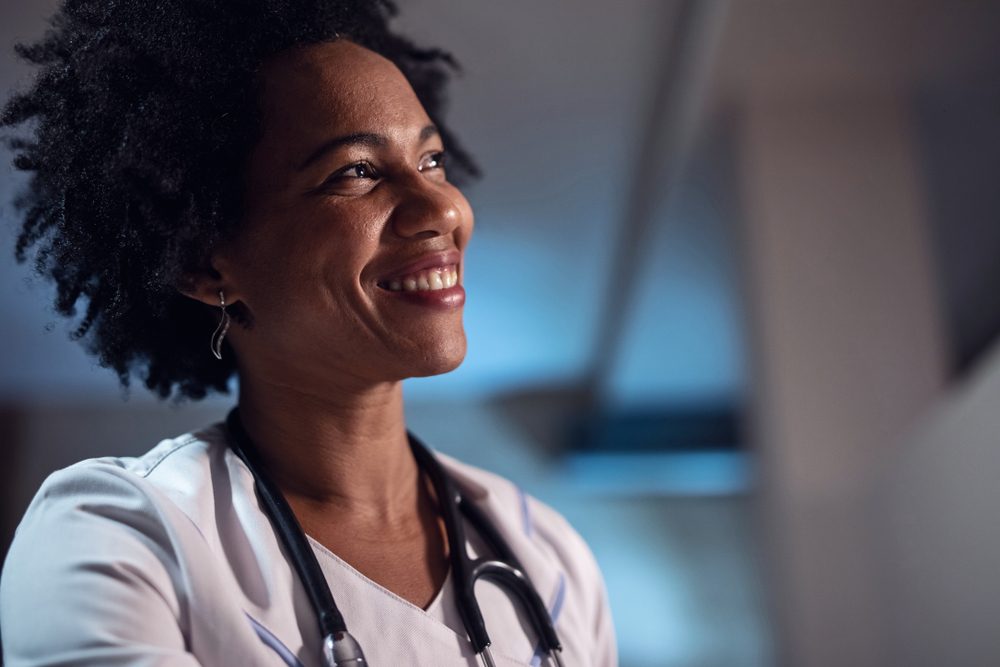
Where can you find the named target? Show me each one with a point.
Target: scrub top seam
(554, 613)
(190, 440)
(272, 642)
(525, 513)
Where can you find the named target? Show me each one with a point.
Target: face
(349, 263)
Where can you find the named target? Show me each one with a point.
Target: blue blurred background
(732, 303)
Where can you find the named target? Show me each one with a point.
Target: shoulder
(100, 541)
(100, 505)
(119, 559)
(129, 495)
(175, 468)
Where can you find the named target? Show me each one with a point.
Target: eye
(432, 161)
(359, 170)
(354, 179)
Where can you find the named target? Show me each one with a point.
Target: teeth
(427, 280)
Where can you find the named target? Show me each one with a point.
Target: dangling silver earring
(220, 331)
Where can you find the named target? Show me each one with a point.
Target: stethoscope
(340, 649)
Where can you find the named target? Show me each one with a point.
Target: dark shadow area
(560, 419)
(696, 428)
(545, 415)
(11, 438)
(959, 125)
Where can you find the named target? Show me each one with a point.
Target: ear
(210, 286)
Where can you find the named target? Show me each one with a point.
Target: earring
(220, 331)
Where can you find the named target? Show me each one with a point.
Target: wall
(935, 515)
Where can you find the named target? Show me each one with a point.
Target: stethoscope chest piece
(342, 650)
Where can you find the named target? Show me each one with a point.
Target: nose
(427, 209)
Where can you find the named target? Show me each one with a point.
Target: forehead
(335, 88)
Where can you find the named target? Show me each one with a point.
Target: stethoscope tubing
(505, 569)
(340, 649)
(288, 529)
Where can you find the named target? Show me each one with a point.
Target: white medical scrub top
(169, 559)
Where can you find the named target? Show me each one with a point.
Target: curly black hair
(143, 116)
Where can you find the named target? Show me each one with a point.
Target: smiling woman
(283, 165)
(346, 194)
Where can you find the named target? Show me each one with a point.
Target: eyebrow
(428, 132)
(368, 139)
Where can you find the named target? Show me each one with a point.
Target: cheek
(323, 234)
(288, 267)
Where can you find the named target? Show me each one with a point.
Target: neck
(343, 451)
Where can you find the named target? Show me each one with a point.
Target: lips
(430, 281)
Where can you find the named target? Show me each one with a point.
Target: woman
(282, 164)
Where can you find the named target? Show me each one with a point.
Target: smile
(427, 280)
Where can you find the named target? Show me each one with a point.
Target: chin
(441, 360)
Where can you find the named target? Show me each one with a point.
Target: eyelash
(439, 159)
(363, 166)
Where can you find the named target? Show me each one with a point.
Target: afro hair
(141, 119)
